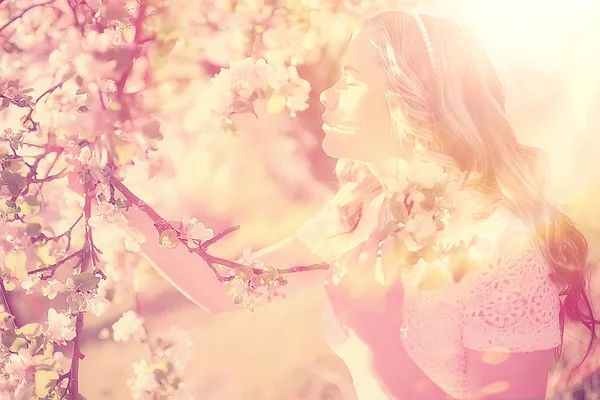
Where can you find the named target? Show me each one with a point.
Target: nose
(327, 97)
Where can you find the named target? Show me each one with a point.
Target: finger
(360, 278)
(390, 260)
(368, 256)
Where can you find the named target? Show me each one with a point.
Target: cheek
(371, 110)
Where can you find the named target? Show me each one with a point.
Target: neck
(386, 173)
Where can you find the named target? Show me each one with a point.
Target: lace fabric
(507, 304)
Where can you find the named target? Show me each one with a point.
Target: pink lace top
(508, 303)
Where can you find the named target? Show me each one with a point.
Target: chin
(337, 147)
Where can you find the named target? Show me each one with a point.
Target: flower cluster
(29, 365)
(238, 86)
(431, 214)
(159, 376)
(248, 287)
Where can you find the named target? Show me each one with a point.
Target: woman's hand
(358, 278)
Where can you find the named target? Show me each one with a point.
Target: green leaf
(33, 229)
(14, 262)
(83, 110)
(45, 379)
(152, 131)
(168, 239)
(44, 360)
(269, 273)
(85, 281)
(36, 344)
(49, 349)
(30, 331)
(43, 254)
(13, 341)
(158, 54)
(14, 144)
(244, 272)
(5, 317)
(30, 205)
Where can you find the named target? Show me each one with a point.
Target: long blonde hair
(459, 115)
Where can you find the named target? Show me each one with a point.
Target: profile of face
(357, 122)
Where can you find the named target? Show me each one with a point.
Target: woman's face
(356, 119)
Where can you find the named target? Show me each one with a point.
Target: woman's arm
(189, 274)
(511, 322)
(503, 375)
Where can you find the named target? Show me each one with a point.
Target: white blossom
(129, 327)
(61, 327)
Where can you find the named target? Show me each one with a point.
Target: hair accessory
(427, 41)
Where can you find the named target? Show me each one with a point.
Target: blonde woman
(420, 86)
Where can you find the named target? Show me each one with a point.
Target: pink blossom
(61, 326)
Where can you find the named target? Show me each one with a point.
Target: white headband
(428, 44)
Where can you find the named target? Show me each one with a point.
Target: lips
(327, 127)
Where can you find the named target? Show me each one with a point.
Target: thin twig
(13, 19)
(7, 305)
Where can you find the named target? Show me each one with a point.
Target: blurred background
(270, 175)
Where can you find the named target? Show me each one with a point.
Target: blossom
(143, 381)
(97, 305)
(422, 226)
(62, 361)
(61, 326)
(18, 365)
(90, 301)
(425, 174)
(30, 283)
(129, 327)
(133, 239)
(234, 88)
(192, 229)
(52, 288)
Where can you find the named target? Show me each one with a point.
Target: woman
(422, 87)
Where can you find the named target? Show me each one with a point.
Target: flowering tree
(89, 88)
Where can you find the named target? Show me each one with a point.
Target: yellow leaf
(45, 379)
(168, 239)
(276, 104)
(9, 285)
(30, 330)
(43, 254)
(15, 263)
(45, 360)
(13, 341)
(122, 150)
(49, 349)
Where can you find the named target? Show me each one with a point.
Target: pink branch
(24, 12)
(161, 225)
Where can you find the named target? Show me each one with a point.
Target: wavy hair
(458, 114)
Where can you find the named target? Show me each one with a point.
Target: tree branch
(13, 19)
(161, 225)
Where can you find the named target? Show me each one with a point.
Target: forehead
(361, 53)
